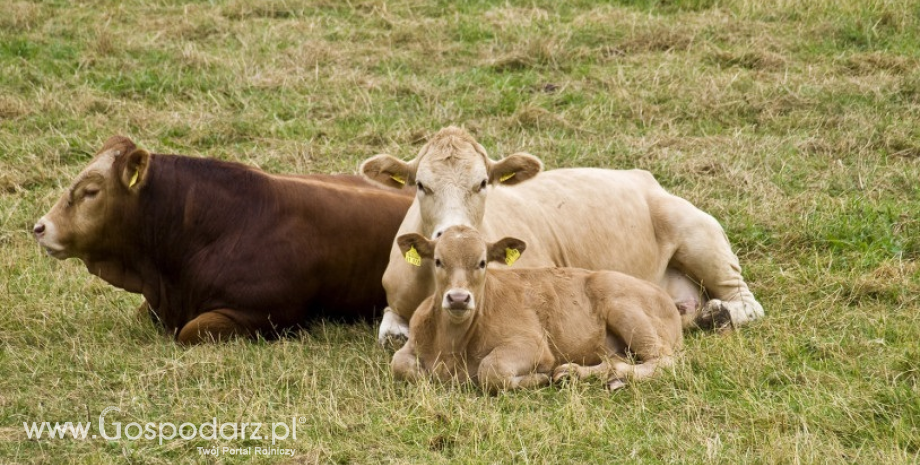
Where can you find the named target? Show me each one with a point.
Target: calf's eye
(437, 262)
(482, 264)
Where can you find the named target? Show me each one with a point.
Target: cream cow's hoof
(718, 314)
(394, 330)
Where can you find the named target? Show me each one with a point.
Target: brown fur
(221, 249)
(527, 327)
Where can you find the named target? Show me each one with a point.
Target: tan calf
(519, 328)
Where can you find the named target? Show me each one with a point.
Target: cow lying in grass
(589, 218)
(221, 249)
(519, 328)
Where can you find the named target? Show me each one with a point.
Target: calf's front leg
(509, 367)
(405, 364)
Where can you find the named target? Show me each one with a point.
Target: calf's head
(453, 174)
(88, 217)
(460, 256)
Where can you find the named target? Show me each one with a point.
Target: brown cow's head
(452, 173)
(85, 218)
(460, 256)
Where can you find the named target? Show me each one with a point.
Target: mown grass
(797, 124)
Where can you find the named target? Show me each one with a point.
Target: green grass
(796, 124)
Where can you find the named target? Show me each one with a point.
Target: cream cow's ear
(514, 169)
(506, 250)
(388, 171)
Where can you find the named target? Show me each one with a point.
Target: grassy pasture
(796, 124)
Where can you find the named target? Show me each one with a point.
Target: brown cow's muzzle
(43, 232)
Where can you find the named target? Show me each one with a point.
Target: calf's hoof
(565, 372)
(615, 384)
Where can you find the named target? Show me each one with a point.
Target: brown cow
(518, 328)
(220, 249)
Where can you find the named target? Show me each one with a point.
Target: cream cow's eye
(482, 264)
(480, 187)
(423, 189)
(437, 262)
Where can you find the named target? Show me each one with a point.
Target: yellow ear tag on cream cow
(398, 179)
(511, 256)
(506, 177)
(133, 179)
(412, 257)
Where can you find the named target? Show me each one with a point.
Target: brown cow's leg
(212, 326)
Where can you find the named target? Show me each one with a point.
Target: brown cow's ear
(388, 171)
(134, 174)
(514, 169)
(506, 250)
(415, 247)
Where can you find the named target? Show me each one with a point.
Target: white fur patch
(392, 326)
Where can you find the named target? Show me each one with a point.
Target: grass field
(796, 124)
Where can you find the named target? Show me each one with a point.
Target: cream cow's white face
(453, 174)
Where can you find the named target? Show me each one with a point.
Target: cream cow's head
(453, 174)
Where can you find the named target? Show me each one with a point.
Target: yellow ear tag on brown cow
(511, 256)
(398, 179)
(507, 176)
(134, 179)
(412, 257)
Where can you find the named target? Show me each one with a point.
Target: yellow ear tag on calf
(398, 179)
(133, 179)
(511, 256)
(412, 257)
(506, 177)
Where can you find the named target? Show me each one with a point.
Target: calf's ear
(414, 241)
(388, 171)
(514, 169)
(507, 250)
(134, 174)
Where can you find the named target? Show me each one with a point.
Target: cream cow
(583, 217)
(523, 327)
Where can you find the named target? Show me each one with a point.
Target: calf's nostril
(458, 297)
(39, 228)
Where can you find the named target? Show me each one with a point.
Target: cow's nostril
(39, 228)
(458, 297)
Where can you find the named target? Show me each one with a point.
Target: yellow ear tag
(412, 257)
(506, 177)
(511, 256)
(398, 179)
(133, 179)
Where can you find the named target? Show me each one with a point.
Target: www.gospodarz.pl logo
(167, 431)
